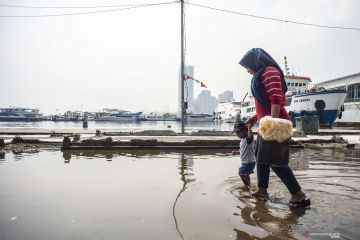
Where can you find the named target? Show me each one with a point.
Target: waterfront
(138, 194)
(119, 126)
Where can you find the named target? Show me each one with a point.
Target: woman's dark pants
(284, 173)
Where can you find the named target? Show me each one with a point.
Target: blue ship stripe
(327, 117)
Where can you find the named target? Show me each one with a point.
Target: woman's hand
(251, 121)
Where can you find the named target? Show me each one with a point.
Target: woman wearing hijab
(268, 87)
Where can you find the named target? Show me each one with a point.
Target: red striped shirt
(273, 90)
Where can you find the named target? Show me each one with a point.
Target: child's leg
(245, 179)
(248, 178)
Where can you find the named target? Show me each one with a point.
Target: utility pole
(182, 72)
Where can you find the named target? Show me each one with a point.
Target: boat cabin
(297, 84)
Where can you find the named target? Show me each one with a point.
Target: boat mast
(287, 73)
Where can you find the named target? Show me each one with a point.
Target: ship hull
(325, 104)
(14, 119)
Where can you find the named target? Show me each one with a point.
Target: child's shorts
(247, 168)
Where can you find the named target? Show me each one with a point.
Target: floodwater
(172, 195)
(120, 126)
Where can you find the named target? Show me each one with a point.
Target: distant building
(188, 90)
(205, 103)
(351, 83)
(226, 96)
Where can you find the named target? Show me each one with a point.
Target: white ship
(327, 104)
(118, 116)
(247, 107)
(19, 114)
(227, 111)
(300, 100)
(199, 117)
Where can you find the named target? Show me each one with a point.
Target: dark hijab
(257, 60)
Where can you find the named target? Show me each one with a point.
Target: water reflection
(276, 219)
(185, 166)
(330, 177)
(2, 157)
(194, 194)
(123, 126)
(352, 155)
(67, 156)
(17, 155)
(109, 155)
(299, 160)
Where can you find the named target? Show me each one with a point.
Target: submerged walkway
(90, 139)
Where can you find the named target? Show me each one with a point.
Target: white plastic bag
(275, 129)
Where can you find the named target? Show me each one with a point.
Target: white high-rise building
(205, 103)
(188, 90)
(226, 96)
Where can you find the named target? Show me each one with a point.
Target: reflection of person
(246, 152)
(268, 87)
(258, 214)
(66, 156)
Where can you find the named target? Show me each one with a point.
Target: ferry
(199, 117)
(227, 111)
(302, 100)
(152, 116)
(119, 116)
(19, 114)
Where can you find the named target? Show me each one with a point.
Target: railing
(352, 100)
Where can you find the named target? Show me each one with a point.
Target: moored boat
(302, 100)
(227, 112)
(192, 117)
(325, 104)
(19, 114)
(119, 116)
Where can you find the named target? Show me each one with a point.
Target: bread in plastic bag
(275, 129)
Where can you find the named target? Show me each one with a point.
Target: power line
(91, 12)
(273, 19)
(72, 7)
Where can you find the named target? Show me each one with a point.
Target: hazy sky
(130, 59)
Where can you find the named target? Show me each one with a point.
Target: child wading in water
(246, 151)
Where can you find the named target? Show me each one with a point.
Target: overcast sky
(130, 59)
